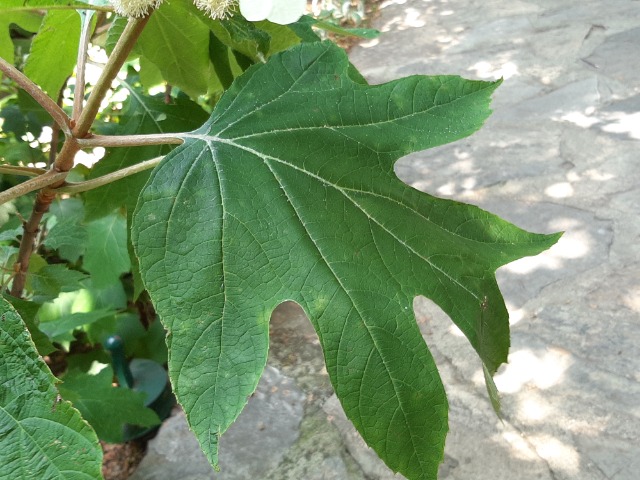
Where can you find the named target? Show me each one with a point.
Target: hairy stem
(78, 96)
(30, 232)
(27, 7)
(43, 201)
(24, 171)
(38, 95)
(130, 140)
(41, 181)
(64, 161)
(120, 53)
(110, 178)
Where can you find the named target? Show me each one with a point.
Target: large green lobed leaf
(41, 436)
(289, 193)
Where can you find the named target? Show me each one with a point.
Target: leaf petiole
(120, 53)
(58, 115)
(110, 178)
(78, 98)
(130, 140)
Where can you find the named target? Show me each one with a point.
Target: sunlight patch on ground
(614, 122)
(484, 69)
(527, 368)
(560, 456)
(559, 190)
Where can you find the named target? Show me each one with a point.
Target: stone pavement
(559, 153)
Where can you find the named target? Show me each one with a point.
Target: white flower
(134, 8)
(216, 9)
(276, 11)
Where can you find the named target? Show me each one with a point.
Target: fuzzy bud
(216, 9)
(134, 8)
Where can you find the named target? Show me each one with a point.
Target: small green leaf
(288, 192)
(106, 257)
(68, 235)
(150, 75)
(282, 36)
(11, 234)
(177, 42)
(47, 282)
(366, 33)
(61, 329)
(105, 407)
(30, 21)
(115, 31)
(53, 51)
(6, 254)
(40, 436)
(241, 35)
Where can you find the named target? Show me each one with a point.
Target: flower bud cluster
(276, 11)
(134, 8)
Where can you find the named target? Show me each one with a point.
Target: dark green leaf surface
(41, 437)
(289, 193)
(105, 407)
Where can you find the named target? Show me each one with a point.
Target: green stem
(109, 178)
(117, 58)
(24, 171)
(38, 95)
(33, 8)
(130, 140)
(41, 181)
(78, 95)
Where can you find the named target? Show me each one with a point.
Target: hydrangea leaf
(40, 436)
(288, 193)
